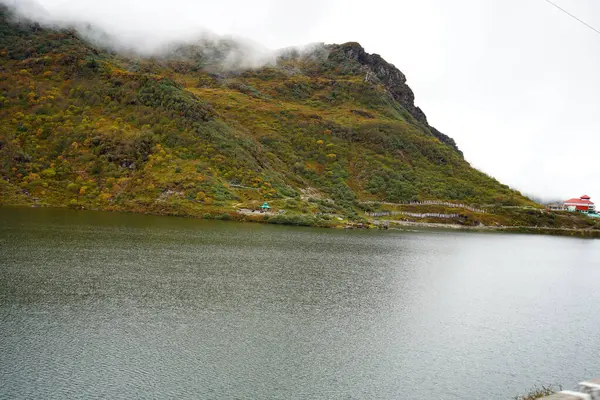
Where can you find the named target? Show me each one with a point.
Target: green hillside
(320, 131)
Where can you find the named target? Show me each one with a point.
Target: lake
(121, 306)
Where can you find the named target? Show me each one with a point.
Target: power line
(574, 17)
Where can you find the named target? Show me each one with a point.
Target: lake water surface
(118, 306)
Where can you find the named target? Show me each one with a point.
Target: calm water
(97, 305)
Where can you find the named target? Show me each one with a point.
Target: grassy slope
(85, 128)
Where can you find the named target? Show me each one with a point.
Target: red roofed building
(582, 204)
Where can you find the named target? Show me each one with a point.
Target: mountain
(196, 131)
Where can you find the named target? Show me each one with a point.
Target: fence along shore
(433, 203)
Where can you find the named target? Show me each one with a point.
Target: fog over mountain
(514, 83)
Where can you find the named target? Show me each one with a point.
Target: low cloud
(228, 51)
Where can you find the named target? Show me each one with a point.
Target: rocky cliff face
(394, 80)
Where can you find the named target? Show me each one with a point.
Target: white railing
(588, 390)
(415, 215)
(434, 203)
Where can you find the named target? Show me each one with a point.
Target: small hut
(265, 207)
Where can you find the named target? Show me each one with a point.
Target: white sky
(515, 82)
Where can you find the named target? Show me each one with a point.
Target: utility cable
(574, 17)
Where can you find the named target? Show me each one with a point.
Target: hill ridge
(85, 127)
(395, 82)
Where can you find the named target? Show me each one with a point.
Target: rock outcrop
(395, 82)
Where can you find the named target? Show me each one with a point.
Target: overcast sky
(515, 82)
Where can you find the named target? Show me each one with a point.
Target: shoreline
(313, 221)
(536, 230)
